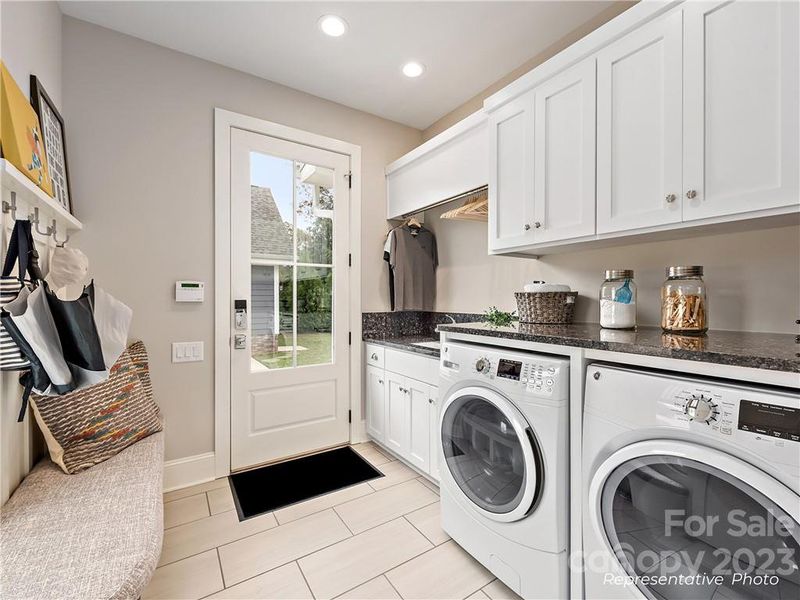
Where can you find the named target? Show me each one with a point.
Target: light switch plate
(187, 352)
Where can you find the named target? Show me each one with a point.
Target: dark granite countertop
(771, 351)
(405, 342)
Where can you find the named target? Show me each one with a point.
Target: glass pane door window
(685, 530)
(292, 273)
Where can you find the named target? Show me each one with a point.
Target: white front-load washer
(504, 463)
(692, 487)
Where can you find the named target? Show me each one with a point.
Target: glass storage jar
(684, 303)
(618, 300)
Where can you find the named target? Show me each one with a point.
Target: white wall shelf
(29, 196)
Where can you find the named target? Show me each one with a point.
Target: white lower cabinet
(398, 414)
(376, 403)
(402, 415)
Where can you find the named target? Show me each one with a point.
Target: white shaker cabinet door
(435, 437)
(741, 107)
(419, 452)
(511, 174)
(564, 155)
(376, 403)
(398, 414)
(639, 105)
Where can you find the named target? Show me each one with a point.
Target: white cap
(68, 266)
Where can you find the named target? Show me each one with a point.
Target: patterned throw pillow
(138, 354)
(93, 424)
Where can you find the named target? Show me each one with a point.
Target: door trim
(224, 120)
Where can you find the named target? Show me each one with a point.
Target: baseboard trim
(191, 470)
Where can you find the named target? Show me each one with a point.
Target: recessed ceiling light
(332, 25)
(413, 69)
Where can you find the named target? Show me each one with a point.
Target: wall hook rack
(35, 222)
(59, 243)
(11, 207)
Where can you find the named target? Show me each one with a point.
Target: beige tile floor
(376, 540)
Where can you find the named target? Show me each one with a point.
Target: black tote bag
(22, 251)
(77, 331)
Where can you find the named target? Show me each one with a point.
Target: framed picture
(20, 133)
(55, 146)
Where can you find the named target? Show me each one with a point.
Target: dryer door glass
(685, 529)
(484, 453)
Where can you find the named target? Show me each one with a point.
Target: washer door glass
(484, 453)
(685, 529)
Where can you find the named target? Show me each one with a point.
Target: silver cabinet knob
(374, 356)
(691, 194)
(380, 381)
(430, 400)
(527, 226)
(671, 198)
(537, 225)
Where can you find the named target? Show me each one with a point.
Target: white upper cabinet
(448, 165)
(669, 117)
(741, 107)
(511, 165)
(564, 155)
(639, 103)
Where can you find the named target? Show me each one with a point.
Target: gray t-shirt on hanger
(414, 260)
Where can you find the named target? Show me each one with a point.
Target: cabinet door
(398, 414)
(564, 150)
(435, 444)
(511, 174)
(639, 124)
(419, 453)
(741, 107)
(376, 404)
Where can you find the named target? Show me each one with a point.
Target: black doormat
(275, 486)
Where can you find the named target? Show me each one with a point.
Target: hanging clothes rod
(460, 196)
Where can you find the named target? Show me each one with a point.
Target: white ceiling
(466, 46)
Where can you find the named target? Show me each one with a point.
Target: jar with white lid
(618, 300)
(684, 301)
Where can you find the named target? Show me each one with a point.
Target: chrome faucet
(452, 320)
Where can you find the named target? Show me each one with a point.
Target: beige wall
(476, 102)
(30, 44)
(753, 277)
(140, 135)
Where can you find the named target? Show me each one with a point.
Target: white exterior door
(511, 174)
(564, 186)
(398, 414)
(376, 403)
(290, 387)
(741, 107)
(639, 151)
(419, 398)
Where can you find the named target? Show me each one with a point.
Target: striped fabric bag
(22, 252)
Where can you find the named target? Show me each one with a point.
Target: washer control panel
(542, 377)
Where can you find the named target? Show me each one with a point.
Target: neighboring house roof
(270, 237)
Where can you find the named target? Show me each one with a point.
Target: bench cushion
(95, 534)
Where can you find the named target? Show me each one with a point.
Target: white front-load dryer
(504, 463)
(692, 488)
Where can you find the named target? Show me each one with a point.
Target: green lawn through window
(312, 349)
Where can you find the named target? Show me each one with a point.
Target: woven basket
(546, 307)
